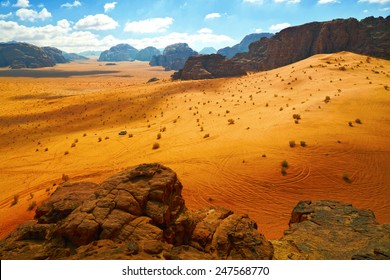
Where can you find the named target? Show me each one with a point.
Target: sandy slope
(227, 168)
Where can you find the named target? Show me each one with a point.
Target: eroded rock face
(174, 57)
(55, 54)
(208, 67)
(121, 52)
(333, 230)
(370, 36)
(21, 55)
(136, 214)
(146, 54)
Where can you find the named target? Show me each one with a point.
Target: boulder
(333, 230)
(138, 213)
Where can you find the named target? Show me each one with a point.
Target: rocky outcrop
(22, 55)
(121, 52)
(229, 52)
(55, 54)
(370, 36)
(208, 67)
(333, 230)
(147, 54)
(136, 214)
(174, 57)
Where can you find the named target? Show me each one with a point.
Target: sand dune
(69, 125)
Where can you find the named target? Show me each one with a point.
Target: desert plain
(225, 138)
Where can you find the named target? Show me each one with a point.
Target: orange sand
(226, 169)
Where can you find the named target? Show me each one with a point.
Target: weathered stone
(173, 57)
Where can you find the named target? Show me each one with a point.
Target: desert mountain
(74, 56)
(121, 52)
(370, 36)
(229, 52)
(173, 57)
(147, 53)
(208, 50)
(23, 55)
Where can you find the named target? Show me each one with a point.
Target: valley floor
(225, 138)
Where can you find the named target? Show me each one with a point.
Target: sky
(81, 25)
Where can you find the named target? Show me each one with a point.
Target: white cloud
(212, 16)
(288, 1)
(22, 4)
(5, 16)
(279, 26)
(71, 5)
(152, 25)
(109, 6)
(96, 22)
(32, 15)
(205, 31)
(258, 30)
(384, 9)
(365, 11)
(5, 3)
(256, 2)
(375, 1)
(62, 36)
(322, 2)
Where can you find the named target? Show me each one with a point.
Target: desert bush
(206, 135)
(65, 177)
(15, 200)
(292, 143)
(230, 121)
(342, 68)
(130, 135)
(155, 146)
(73, 145)
(100, 139)
(296, 116)
(303, 144)
(66, 153)
(346, 178)
(350, 124)
(284, 171)
(358, 121)
(32, 205)
(158, 136)
(284, 164)
(327, 99)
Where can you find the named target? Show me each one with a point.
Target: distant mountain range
(125, 52)
(208, 50)
(229, 52)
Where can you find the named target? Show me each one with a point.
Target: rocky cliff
(208, 67)
(229, 52)
(121, 52)
(140, 214)
(146, 54)
(74, 56)
(55, 54)
(370, 36)
(22, 55)
(174, 57)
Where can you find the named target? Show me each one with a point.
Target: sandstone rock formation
(74, 56)
(174, 57)
(333, 230)
(229, 52)
(22, 55)
(370, 36)
(208, 67)
(121, 52)
(55, 54)
(136, 214)
(146, 54)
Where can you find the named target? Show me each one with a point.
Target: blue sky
(75, 26)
